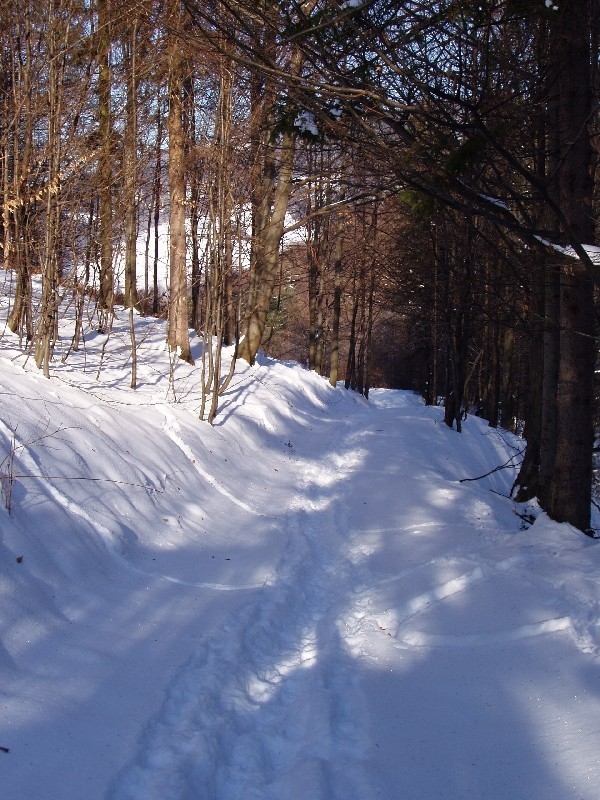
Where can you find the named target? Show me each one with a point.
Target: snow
(592, 251)
(306, 123)
(303, 601)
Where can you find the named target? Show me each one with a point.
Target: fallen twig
(506, 465)
(96, 480)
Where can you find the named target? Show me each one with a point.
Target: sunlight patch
(442, 497)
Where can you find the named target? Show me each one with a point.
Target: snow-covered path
(403, 648)
(303, 602)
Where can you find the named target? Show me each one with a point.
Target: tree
(218, 311)
(129, 47)
(570, 494)
(105, 164)
(178, 335)
(17, 123)
(273, 143)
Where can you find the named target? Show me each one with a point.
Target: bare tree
(178, 335)
(105, 164)
(129, 46)
(18, 119)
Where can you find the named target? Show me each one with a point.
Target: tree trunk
(47, 327)
(507, 399)
(551, 355)
(535, 475)
(130, 168)
(369, 335)
(16, 167)
(273, 154)
(492, 389)
(156, 195)
(195, 182)
(570, 493)
(453, 406)
(266, 242)
(351, 362)
(106, 289)
(526, 483)
(219, 248)
(337, 296)
(178, 333)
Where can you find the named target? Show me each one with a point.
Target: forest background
(398, 194)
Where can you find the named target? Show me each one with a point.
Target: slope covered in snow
(304, 601)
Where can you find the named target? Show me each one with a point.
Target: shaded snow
(302, 602)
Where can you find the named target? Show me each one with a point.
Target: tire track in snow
(397, 622)
(420, 639)
(268, 707)
(584, 616)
